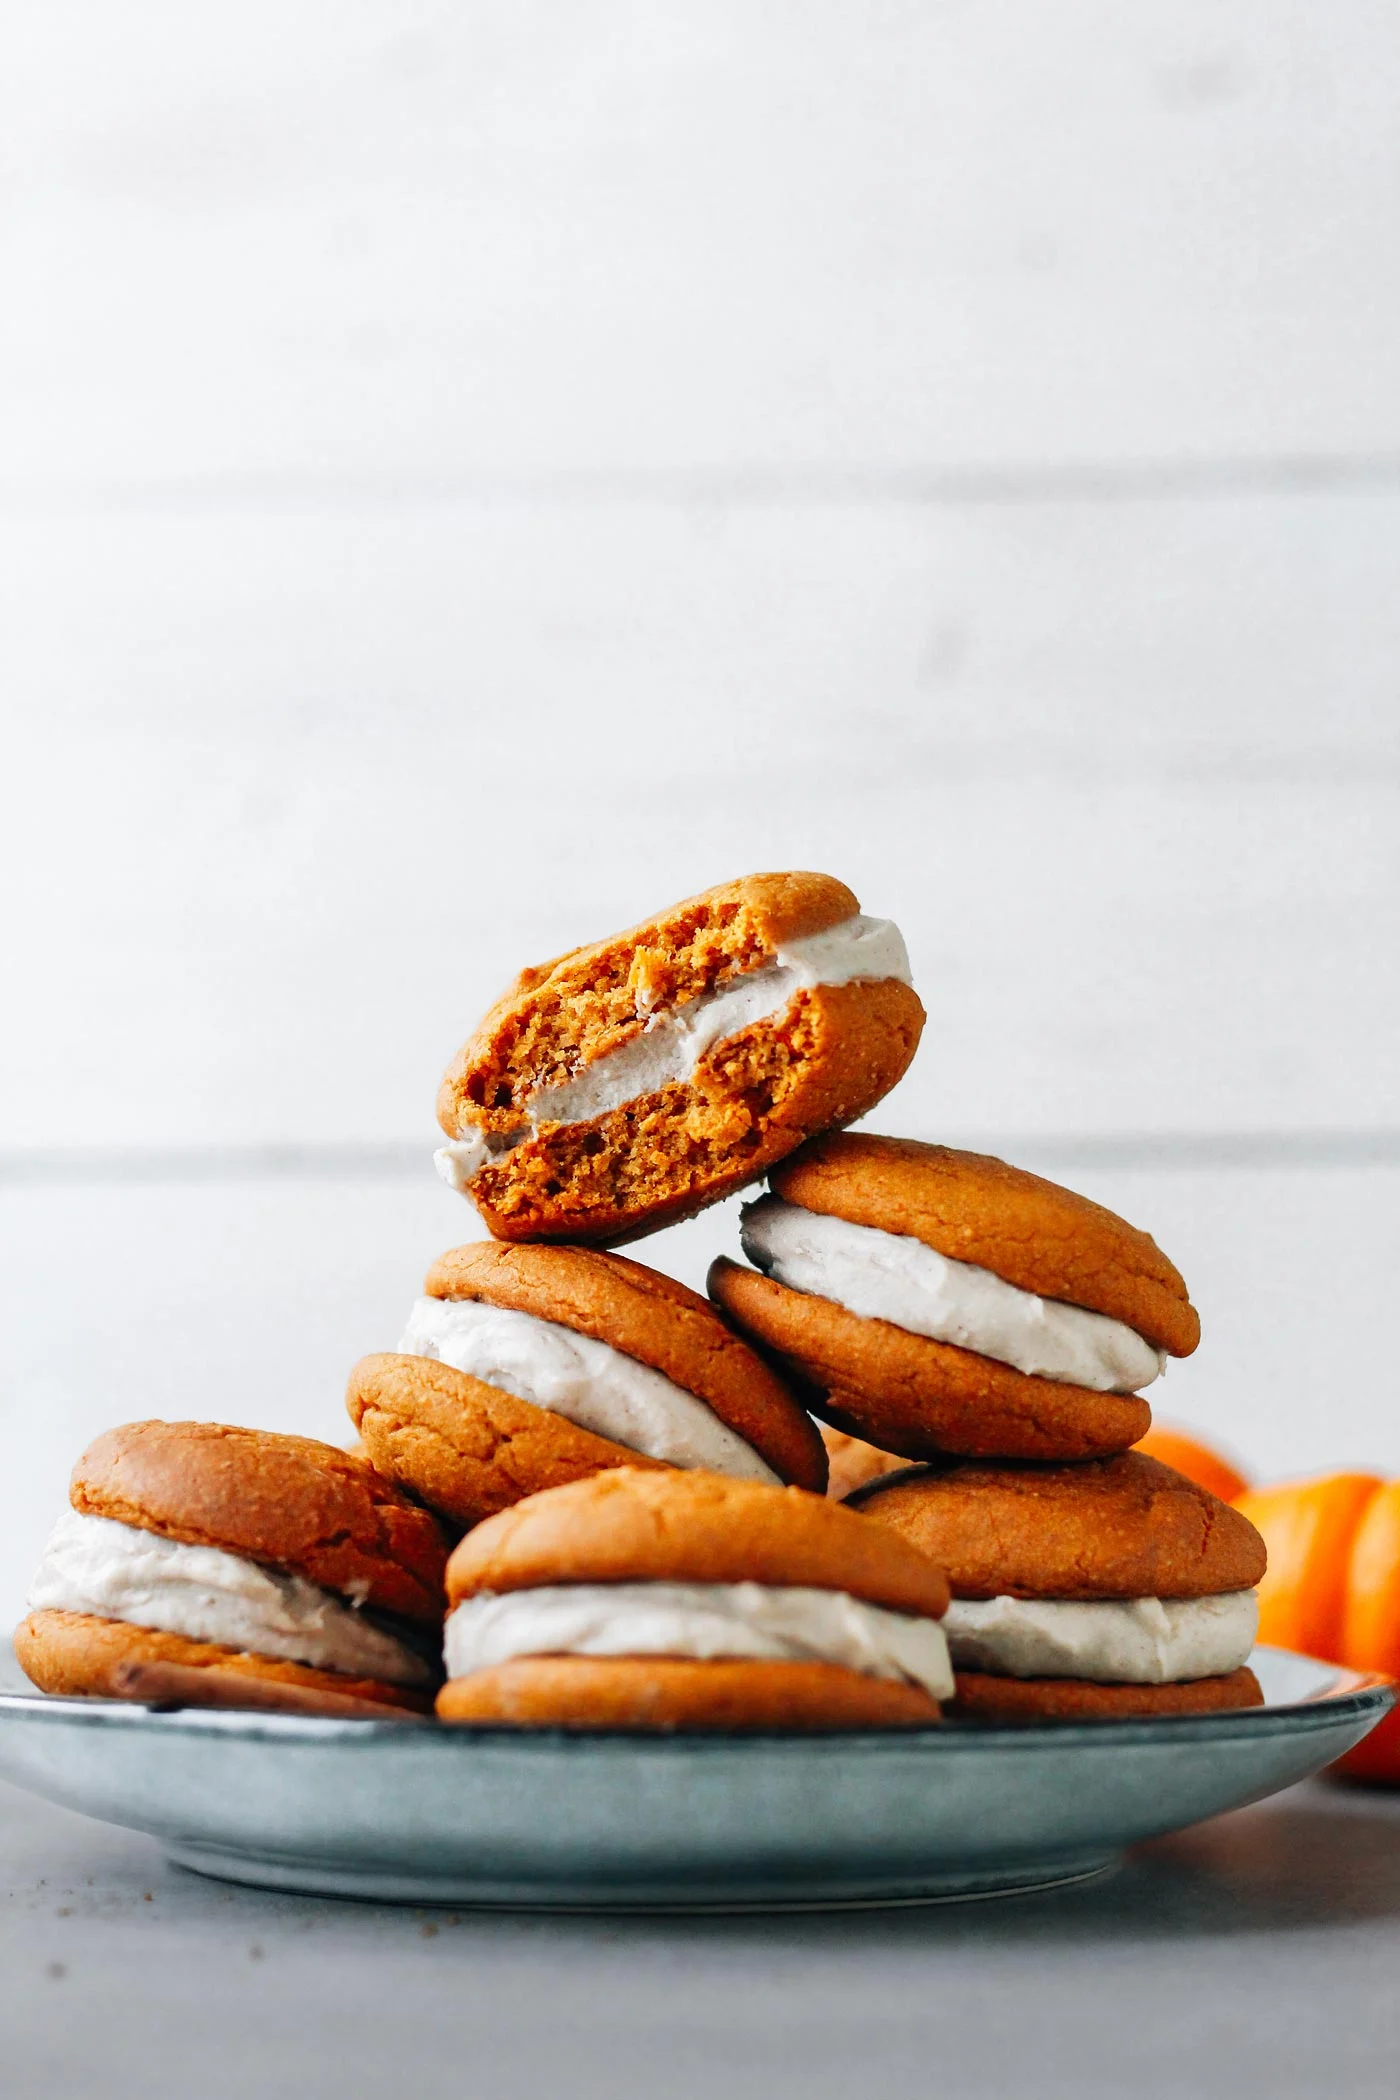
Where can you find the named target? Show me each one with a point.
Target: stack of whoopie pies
(977, 1339)
(649, 1524)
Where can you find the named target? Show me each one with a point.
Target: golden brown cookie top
(633, 1526)
(591, 1001)
(287, 1502)
(1109, 1527)
(974, 1208)
(653, 1319)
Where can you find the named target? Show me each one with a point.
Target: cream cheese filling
(116, 1571)
(709, 1621)
(586, 1381)
(890, 1276)
(1130, 1640)
(675, 1038)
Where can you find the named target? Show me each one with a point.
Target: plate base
(321, 1877)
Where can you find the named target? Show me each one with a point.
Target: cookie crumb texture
(664, 1693)
(594, 1000)
(828, 1058)
(73, 1655)
(834, 1052)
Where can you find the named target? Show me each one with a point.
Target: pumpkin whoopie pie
(208, 1565)
(526, 1367)
(630, 1083)
(1107, 1589)
(932, 1301)
(661, 1600)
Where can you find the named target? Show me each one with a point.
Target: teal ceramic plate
(418, 1813)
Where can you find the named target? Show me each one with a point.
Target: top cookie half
(631, 1083)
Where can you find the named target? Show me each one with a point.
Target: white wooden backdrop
(470, 474)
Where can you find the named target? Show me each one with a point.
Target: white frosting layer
(1134, 1640)
(675, 1038)
(586, 1381)
(115, 1571)
(707, 1620)
(889, 1276)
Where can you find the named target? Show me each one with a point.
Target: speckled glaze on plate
(418, 1813)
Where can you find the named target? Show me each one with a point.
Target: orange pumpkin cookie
(632, 1082)
(207, 1558)
(1116, 1587)
(668, 1599)
(649, 1320)
(939, 1302)
(524, 1367)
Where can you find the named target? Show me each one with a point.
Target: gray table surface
(1259, 1953)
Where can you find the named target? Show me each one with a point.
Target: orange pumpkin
(1376, 1759)
(1370, 1637)
(1308, 1527)
(1185, 1453)
(1333, 1587)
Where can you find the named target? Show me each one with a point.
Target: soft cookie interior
(547, 1149)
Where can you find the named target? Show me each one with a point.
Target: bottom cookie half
(909, 1394)
(74, 1656)
(581, 1691)
(982, 1697)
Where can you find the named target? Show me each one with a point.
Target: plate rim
(1349, 1695)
